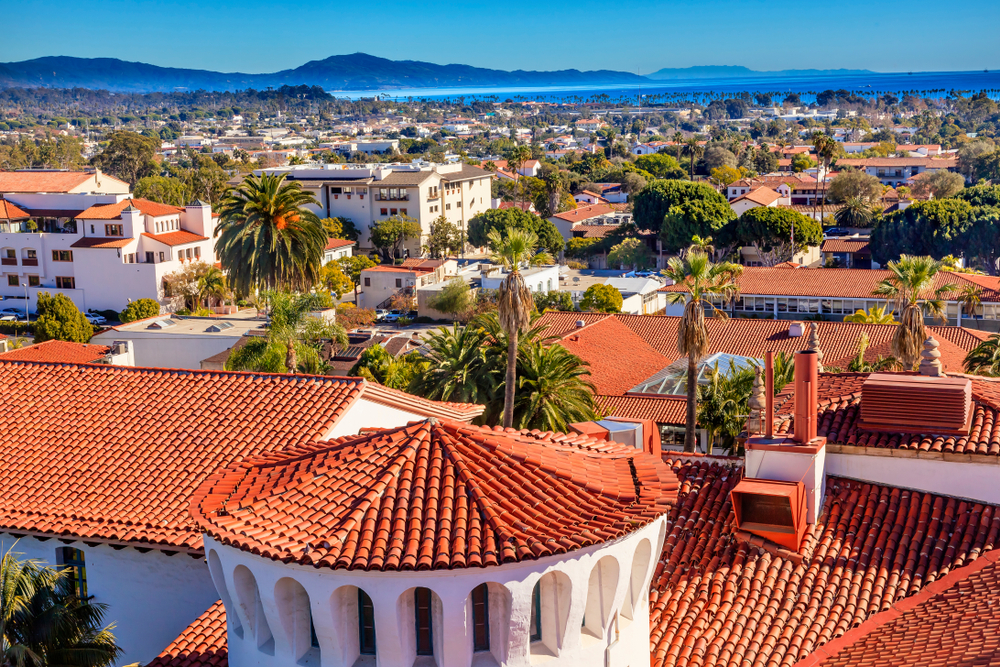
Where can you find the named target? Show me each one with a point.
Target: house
(760, 196)
(849, 253)
(368, 194)
(379, 284)
(896, 171)
(147, 439)
(588, 198)
(66, 352)
(640, 296)
(594, 214)
(783, 183)
(99, 248)
(337, 249)
(792, 293)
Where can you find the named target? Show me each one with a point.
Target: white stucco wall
(165, 350)
(368, 414)
(151, 597)
(598, 585)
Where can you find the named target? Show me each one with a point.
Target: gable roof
(845, 245)
(46, 181)
(605, 345)
(359, 502)
(333, 244)
(763, 195)
(581, 213)
(10, 211)
(101, 242)
(58, 351)
(148, 437)
(114, 211)
(927, 162)
(201, 644)
(179, 237)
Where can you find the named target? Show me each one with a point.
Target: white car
(94, 318)
(8, 318)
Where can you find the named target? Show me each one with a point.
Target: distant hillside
(358, 71)
(740, 72)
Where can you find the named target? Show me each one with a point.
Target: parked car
(16, 312)
(412, 315)
(380, 314)
(95, 318)
(8, 318)
(837, 231)
(393, 316)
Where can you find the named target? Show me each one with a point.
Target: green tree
(459, 368)
(856, 212)
(717, 157)
(340, 228)
(445, 238)
(267, 238)
(59, 319)
(826, 149)
(552, 391)
(512, 250)
(769, 229)
(680, 210)
(455, 299)
(631, 253)
(874, 315)
(660, 165)
(936, 228)
(910, 279)
(984, 358)
(581, 248)
(139, 309)
(128, 156)
(939, 183)
(801, 162)
(601, 299)
(554, 300)
(213, 284)
(724, 403)
(45, 620)
(294, 338)
(981, 241)
(693, 150)
(389, 235)
(163, 189)
(701, 279)
(981, 195)
(333, 278)
(376, 365)
(726, 175)
(481, 225)
(353, 266)
(850, 184)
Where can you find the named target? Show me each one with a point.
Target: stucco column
(391, 649)
(519, 649)
(457, 635)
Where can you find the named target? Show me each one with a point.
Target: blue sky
(257, 36)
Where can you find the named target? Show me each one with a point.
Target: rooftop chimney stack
(930, 359)
(806, 379)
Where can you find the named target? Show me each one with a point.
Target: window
(422, 607)
(188, 253)
(162, 255)
(481, 618)
(12, 281)
(402, 211)
(366, 623)
(64, 282)
(535, 622)
(30, 253)
(150, 258)
(447, 207)
(113, 230)
(197, 252)
(73, 560)
(62, 255)
(399, 282)
(33, 281)
(385, 211)
(393, 211)
(92, 229)
(10, 253)
(368, 282)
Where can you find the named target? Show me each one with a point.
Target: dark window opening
(366, 623)
(481, 618)
(766, 510)
(73, 562)
(535, 622)
(425, 636)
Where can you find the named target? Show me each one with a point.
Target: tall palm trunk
(291, 359)
(690, 444)
(508, 389)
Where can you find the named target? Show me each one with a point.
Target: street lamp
(25, 286)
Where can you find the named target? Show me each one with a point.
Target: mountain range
(358, 71)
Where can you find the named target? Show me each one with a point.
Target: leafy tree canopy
(59, 319)
(848, 184)
(389, 235)
(139, 309)
(602, 299)
(932, 228)
(767, 227)
(340, 228)
(501, 219)
(680, 210)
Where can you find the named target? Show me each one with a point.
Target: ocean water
(931, 84)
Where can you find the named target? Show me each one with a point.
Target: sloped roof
(148, 437)
(10, 211)
(661, 409)
(179, 237)
(114, 211)
(763, 195)
(433, 495)
(581, 213)
(844, 245)
(101, 242)
(332, 244)
(44, 181)
(618, 358)
(718, 600)
(201, 644)
(928, 162)
(59, 351)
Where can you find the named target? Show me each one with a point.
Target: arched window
(296, 618)
(366, 624)
(600, 596)
(481, 618)
(253, 609)
(637, 580)
(215, 569)
(425, 631)
(550, 602)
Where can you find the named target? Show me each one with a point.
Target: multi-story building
(896, 171)
(370, 193)
(82, 235)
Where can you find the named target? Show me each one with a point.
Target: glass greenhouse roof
(672, 380)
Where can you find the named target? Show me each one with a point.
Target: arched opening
(253, 609)
(354, 625)
(219, 579)
(637, 585)
(600, 596)
(489, 611)
(295, 613)
(550, 602)
(420, 617)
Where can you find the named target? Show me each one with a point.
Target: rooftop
(192, 326)
(114, 211)
(179, 237)
(59, 351)
(43, 181)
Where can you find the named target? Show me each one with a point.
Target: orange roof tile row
(179, 237)
(202, 644)
(586, 212)
(333, 244)
(10, 211)
(58, 351)
(433, 495)
(618, 358)
(717, 600)
(42, 181)
(662, 410)
(101, 242)
(844, 245)
(114, 211)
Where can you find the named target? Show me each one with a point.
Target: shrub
(138, 310)
(59, 319)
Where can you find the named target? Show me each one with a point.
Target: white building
(92, 242)
(340, 570)
(540, 279)
(369, 193)
(640, 296)
(338, 249)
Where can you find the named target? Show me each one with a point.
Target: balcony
(402, 197)
(8, 261)
(29, 262)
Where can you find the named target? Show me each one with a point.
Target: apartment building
(369, 193)
(81, 234)
(896, 171)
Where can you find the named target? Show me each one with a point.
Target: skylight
(161, 324)
(220, 326)
(672, 380)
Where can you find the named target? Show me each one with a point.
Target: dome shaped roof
(434, 495)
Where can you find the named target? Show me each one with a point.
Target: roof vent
(795, 330)
(916, 404)
(161, 324)
(771, 509)
(220, 326)
(580, 324)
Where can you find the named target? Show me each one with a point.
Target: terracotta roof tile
(202, 644)
(58, 351)
(662, 409)
(433, 495)
(717, 600)
(763, 195)
(44, 181)
(333, 244)
(605, 345)
(581, 213)
(101, 242)
(180, 237)
(927, 162)
(845, 245)
(114, 211)
(10, 211)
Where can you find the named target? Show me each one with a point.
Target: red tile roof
(397, 269)
(662, 409)
(716, 600)
(180, 237)
(763, 195)
(10, 211)
(101, 242)
(149, 437)
(927, 162)
(954, 622)
(333, 244)
(44, 181)
(582, 213)
(838, 283)
(433, 495)
(202, 644)
(840, 412)
(618, 358)
(114, 211)
(845, 245)
(593, 231)
(58, 351)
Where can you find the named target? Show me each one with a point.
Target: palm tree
(702, 245)
(910, 278)
(856, 212)
(266, 238)
(984, 359)
(874, 315)
(515, 160)
(826, 149)
(552, 391)
(859, 365)
(970, 297)
(458, 368)
(212, 285)
(723, 404)
(293, 340)
(678, 139)
(516, 248)
(692, 150)
(43, 622)
(700, 278)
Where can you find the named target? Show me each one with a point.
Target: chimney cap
(580, 324)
